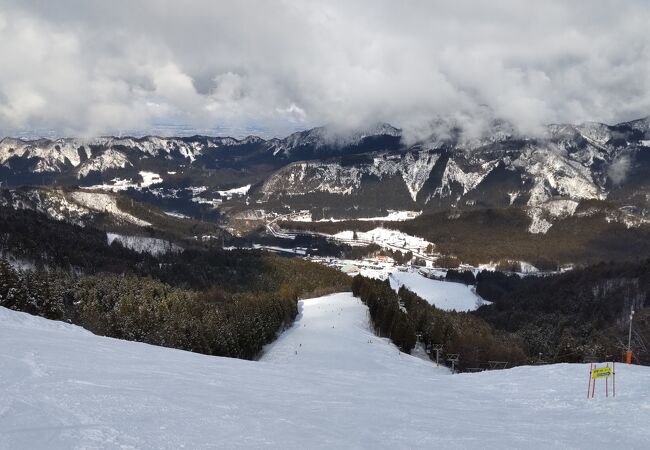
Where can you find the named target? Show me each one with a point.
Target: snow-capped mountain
(548, 176)
(356, 173)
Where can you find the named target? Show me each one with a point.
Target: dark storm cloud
(99, 67)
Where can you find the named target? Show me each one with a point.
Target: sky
(75, 67)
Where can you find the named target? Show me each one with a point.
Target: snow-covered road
(62, 387)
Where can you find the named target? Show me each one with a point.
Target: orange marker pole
(591, 365)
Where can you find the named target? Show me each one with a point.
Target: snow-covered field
(384, 237)
(442, 294)
(62, 387)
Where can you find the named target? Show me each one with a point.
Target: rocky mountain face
(362, 174)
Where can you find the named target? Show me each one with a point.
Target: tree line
(402, 316)
(205, 299)
(566, 317)
(213, 321)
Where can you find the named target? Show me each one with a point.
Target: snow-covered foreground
(62, 387)
(442, 294)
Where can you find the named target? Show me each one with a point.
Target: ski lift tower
(498, 365)
(438, 349)
(453, 359)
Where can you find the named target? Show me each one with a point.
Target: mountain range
(319, 174)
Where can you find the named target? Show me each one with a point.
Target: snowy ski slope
(445, 295)
(62, 387)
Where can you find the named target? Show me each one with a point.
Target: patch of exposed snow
(416, 171)
(230, 193)
(392, 216)
(110, 159)
(116, 185)
(149, 178)
(453, 174)
(142, 244)
(538, 224)
(105, 203)
(543, 215)
(176, 214)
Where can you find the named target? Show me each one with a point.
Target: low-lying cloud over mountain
(77, 67)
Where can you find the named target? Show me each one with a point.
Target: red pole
(589, 385)
(593, 388)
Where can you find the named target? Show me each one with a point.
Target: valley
(324, 225)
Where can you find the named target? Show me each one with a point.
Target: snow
(272, 248)
(142, 244)
(333, 332)
(442, 294)
(52, 155)
(392, 216)
(303, 177)
(110, 159)
(116, 184)
(62, 387)
(119, 184)
(149, 178)
(542, 215)
(230, 193)
(176, 215)
(453, 174)
(394, 239)
(416, 171)
(105, 203)
(538, 224)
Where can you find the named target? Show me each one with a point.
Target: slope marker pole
(591, 365)
(593, 388)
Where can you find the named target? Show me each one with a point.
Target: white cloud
(619, 169)
(99, 67)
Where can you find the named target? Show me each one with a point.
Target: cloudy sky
(73, 67)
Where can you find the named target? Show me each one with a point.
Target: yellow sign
(603, 372)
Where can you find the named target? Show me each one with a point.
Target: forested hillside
(476, 236)
(208, 300)
(403, 315)
(566, 317)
